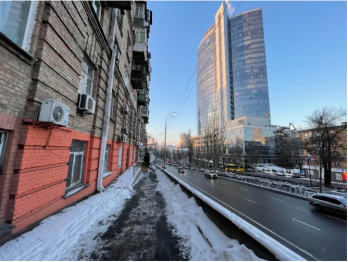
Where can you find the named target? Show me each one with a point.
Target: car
(332, 203)
(267, 171)
(181, 170)
(209, 174)
(250, 169)
(278, 172)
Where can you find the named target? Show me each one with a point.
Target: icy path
(62, 236)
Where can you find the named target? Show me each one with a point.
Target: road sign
(291, 127)
(309, 159)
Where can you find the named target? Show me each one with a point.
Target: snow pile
(63, 236)
(203, 239)
(280, 251)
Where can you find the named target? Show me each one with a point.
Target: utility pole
(172, 114)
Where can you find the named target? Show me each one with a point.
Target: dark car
(328, 202)
(181, 170)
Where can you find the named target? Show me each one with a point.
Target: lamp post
(172, 114)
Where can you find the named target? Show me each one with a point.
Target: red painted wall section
(39, 183)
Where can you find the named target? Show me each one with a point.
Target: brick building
(91, 59)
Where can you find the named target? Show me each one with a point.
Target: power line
(211, 36)
(170, 124)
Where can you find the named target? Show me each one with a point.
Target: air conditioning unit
(125, 109)
(124, 138)
(87, 103)
(55, 112)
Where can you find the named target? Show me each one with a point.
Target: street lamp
(172, 114)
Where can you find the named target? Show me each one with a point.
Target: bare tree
(214, 139)
(326, 127)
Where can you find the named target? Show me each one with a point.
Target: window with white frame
(140, 34)
(87, 78)
(76, 160)
(139, 10)
(3, 140)
(120, 157)
(106, 159)
(126, 76)
(97, 8)
(17, 20)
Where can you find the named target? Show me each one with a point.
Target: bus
(234, 168)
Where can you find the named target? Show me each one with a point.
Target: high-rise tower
(232, 74)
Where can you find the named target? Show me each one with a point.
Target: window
(87, 78)
(140, 34)
(97, 8)
(75, 171)
(17, 20)
(120, 157)
(106, 159)
(126, 77)
(3, 140)
(337, 165)
(139, 10)
(112, 108)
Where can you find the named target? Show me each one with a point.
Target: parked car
(296, 175)
(278, 172)
(267, 171)
(328, 202)
(250, 169)
(210, 174)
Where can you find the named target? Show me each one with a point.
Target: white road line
(277, 199)
(244, 189)
(295, 220)
(249, 200)
(338, 219)
(222, 189)
(257, 223)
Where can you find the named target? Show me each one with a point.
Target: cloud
(230, 9)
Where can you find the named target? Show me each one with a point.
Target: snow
(187, 217)
(61, 236)
(280, 251)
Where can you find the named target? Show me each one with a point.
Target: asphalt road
(291, 221)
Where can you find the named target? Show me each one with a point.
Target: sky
(306, 56)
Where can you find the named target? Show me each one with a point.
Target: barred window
(75, 170)
(106, 159)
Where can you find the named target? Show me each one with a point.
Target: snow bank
(280, 251)
(63, 236)
(202, 240)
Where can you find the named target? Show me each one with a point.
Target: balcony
(138, 73)
(145, 116)
(143, 99)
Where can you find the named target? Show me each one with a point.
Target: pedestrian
(147, 159)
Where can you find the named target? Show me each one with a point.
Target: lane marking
(222, 189)
(249, 200)
(244, 189)
(295, 220)
(277, 199)
(257, 223)
(338, 219)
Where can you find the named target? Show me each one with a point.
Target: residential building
(74, 85)
(231, 71)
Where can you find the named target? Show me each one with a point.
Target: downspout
(106, 119)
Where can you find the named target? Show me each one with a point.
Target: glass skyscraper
(232, 76)
(206, 83)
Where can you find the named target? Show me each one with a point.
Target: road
(291, 221)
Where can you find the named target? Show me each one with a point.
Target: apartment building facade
(74, 99)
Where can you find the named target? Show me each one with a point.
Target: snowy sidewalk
(154, 220)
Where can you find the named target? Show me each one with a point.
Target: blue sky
(306, 55)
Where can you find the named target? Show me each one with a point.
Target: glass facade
(206, 82)
(250, 84)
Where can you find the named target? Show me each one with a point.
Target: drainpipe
(106, 119)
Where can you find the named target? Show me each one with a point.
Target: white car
(209, 174)
(267, 171)
(278, 172)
